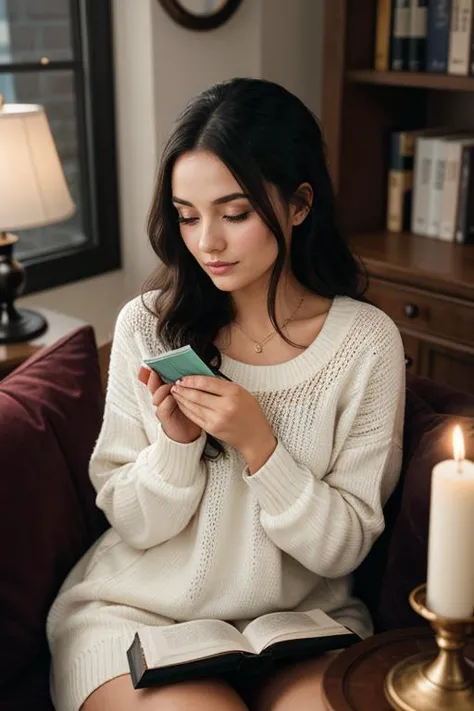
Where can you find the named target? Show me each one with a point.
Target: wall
(292, 47)
(159, 66)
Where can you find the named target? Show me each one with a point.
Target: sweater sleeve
(148, 490)
(330, 524)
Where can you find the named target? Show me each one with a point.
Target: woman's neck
(251, 304)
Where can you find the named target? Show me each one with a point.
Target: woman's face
(219, 226)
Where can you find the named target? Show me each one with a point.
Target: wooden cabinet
(445, 361)
(426, 285)
(437, 331)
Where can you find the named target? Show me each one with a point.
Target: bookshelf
(426, 285)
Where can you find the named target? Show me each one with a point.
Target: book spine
(471, 55)
(418, 34)
(439, 24)
(450, 191)
(382, 37)
(469, 217)
(400, 181)
(465, 211)
(433, 212)
(460, 37)
(400, 35)
(422, 184)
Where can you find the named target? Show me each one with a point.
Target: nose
(211, 238)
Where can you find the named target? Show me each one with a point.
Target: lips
(220, 264)
(220, 268)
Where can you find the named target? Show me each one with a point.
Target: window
(58, 53)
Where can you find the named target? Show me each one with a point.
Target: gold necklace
(258, 347)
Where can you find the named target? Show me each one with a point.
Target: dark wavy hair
(264, 135)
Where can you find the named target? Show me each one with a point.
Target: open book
(163, 655)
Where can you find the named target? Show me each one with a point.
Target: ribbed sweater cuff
(176, 463)
(280, 483)
(102, 662)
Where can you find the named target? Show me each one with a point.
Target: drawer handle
(408, 361)
(412, 310)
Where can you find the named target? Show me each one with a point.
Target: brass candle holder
(430, 682)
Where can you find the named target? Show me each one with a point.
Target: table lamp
(33, 193)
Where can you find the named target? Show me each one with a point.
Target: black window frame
(93, 76)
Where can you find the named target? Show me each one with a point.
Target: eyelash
(230, 218)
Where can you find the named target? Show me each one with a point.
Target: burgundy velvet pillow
(428, 440)
(51, 410)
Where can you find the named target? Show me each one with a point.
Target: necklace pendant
(258, 348)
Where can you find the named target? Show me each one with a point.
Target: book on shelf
(434, 36)
(400, 180)
(426, 155)
(431, 184)
(437, 41)
(418, 30)
(451, 188)
(382, 35)
(400, 35)
(464, 233)
(460, 37)
(203, 648)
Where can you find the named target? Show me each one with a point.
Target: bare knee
(299, 686)
(206, 695)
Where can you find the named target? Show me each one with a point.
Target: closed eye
(230, 218)
(237, 218)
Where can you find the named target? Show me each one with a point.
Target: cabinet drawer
(425, 313)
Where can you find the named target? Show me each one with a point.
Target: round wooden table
(354, 681)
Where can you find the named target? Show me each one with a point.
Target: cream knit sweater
(192, 538)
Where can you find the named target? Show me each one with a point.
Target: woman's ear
(301, 204)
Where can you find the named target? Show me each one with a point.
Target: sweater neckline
(304, 365)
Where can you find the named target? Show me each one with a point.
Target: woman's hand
(228, 412)
(174, 423)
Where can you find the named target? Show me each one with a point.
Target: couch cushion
(51, 409)
(428, 441)
(398, 560)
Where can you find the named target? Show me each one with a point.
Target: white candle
(450, 584)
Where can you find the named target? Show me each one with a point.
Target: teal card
(176, 364)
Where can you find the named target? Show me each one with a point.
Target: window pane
(55, 91)
(32, 29)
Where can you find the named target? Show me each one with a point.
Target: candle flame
(458, 444)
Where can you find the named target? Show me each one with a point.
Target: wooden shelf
(424, 80)
(422, 262)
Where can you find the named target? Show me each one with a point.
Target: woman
(232, 498)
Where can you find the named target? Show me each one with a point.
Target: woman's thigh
(120, 695)
(298, 686)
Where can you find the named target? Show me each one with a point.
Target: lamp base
(28, 325)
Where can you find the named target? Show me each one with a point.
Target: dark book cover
(400, 35)
(400, 180)
(471, 52)
(439, 26)
(465, 213)
(418, 35)
(221, 665)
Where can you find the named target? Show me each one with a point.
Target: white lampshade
(33, 190)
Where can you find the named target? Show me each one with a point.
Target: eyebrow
(219, 201)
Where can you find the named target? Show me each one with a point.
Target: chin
(227, 285)
(235, 282)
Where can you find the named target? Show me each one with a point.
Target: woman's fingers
(160, 394)
(144, 374)
(149, 378)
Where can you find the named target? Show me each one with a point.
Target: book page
(186, 641)
(283, 626)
